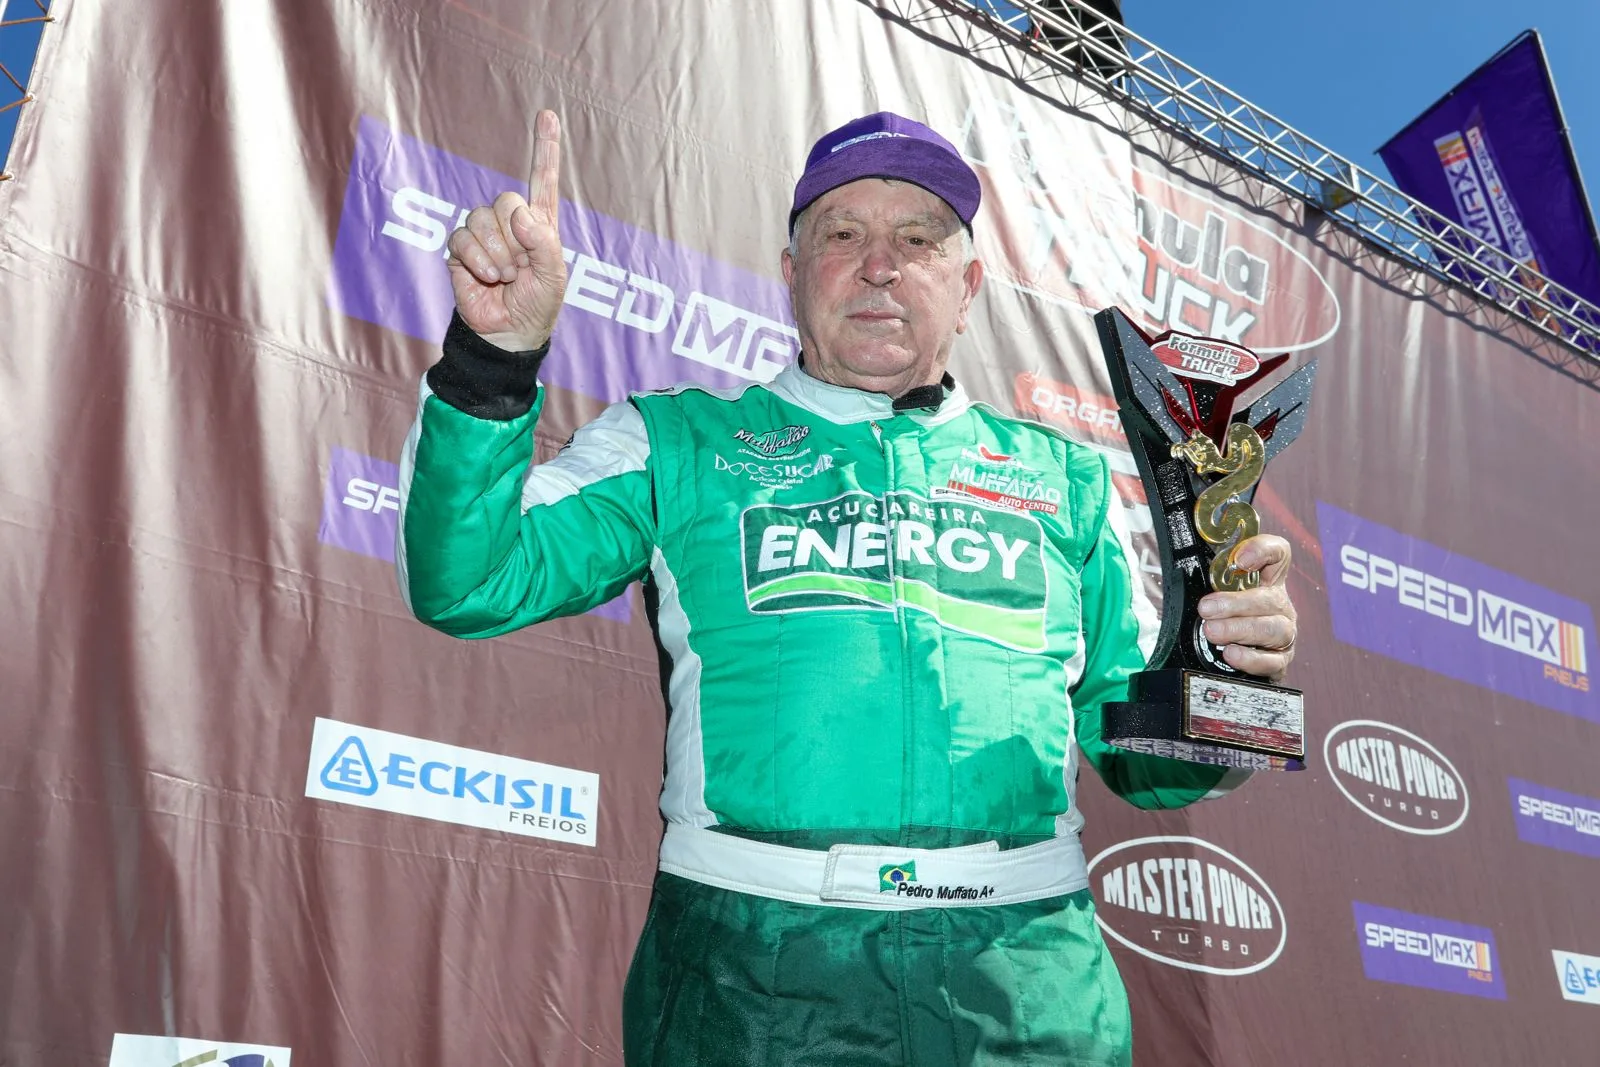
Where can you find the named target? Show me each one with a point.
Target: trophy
(1200, 462)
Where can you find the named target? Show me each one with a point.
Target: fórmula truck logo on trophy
(1206, 358)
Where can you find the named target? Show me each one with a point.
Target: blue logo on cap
(350, 770)
(1575, 980)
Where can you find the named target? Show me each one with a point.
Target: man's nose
(880, 266)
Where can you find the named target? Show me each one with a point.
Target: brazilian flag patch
(893, 874)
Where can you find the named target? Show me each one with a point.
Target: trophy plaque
(1200, 461)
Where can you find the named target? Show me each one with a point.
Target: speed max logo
(1419, 603)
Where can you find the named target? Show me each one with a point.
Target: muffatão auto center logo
(1395, 777)
(1185, 902)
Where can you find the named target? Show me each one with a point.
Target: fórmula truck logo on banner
(410, 776)
(1414, 601)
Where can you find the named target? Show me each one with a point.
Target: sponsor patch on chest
(1002, 480)
(977, 570)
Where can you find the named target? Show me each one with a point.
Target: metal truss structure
(13, 93)
(1065, 51)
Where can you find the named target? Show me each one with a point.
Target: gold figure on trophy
(1220, 517)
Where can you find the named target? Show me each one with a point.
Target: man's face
(880, 285)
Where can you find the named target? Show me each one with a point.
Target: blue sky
(17, 45)
(1352, 74)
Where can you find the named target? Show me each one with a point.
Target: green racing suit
(891, 625)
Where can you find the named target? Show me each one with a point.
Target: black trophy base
(1211, 719)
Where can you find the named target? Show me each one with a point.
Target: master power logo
(1406, 598)
(1185, 902)
(144, 1050)
(978, 570)
(1395, 777)
(1421, 950)
(410, 776)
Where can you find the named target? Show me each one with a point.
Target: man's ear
(971, 281)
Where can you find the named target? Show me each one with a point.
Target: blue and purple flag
(1493, 155)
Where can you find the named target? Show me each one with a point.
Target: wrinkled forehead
(897, 203)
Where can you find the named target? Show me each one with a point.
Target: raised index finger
(544, 184)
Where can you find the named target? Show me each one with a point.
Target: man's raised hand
(505, 263)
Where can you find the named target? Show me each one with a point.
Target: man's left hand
(1256, 627)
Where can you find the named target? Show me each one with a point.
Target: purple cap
(887, 145)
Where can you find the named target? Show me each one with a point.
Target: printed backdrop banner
(1493, 155)
(252, 809)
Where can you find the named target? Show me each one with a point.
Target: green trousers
(726, 979)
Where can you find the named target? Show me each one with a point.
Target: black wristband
(482, 379)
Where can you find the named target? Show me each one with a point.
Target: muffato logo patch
(1185, 902)
(1396, 777)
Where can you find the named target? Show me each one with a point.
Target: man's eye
(918, 242)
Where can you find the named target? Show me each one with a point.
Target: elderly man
(881, 679)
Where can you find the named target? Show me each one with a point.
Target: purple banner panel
(641, 312)
(361, 512)
(1416, 602)
(1554, 818)
(361, 504)
(1493, 155)
(1420, 950)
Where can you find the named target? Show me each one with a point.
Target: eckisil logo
(403, 775)
(1409, 599)
(1579, 976)
(1421, 950)
(978, 570)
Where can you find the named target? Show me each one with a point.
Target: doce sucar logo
(1185, 902)
(1396, 777)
